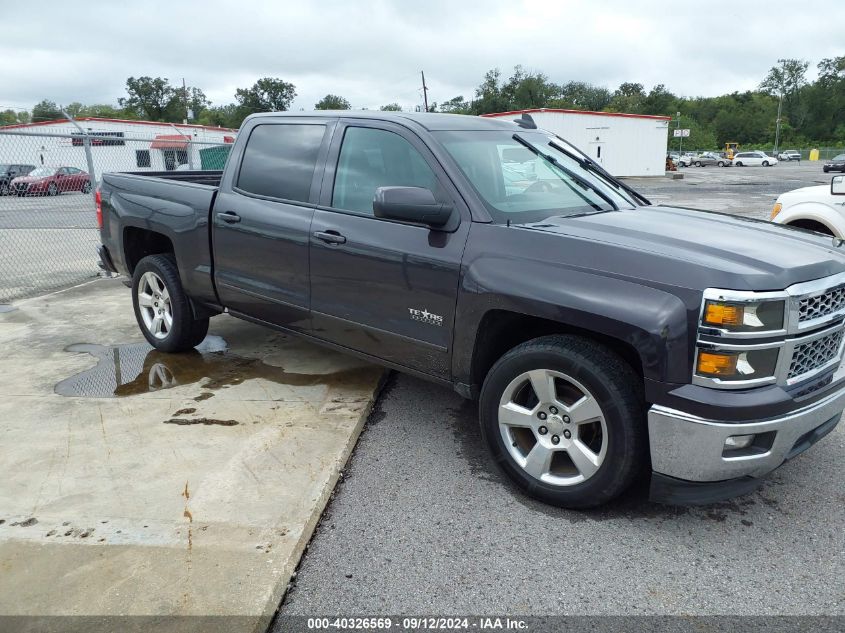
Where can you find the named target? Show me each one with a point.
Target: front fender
(817, 212)
(653, 322)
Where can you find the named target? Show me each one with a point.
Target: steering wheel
(541, 186)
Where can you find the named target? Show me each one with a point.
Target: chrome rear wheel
(154, 305)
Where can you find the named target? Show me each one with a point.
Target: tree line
(155, 99)
(812, 112)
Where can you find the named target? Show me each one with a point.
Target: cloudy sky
(371, 51)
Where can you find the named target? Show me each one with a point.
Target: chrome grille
(821, 305)
(815, 354)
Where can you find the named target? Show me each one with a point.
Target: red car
(51, 181)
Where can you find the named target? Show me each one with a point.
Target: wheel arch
(139, 242)
(808, 215)
(501, 330)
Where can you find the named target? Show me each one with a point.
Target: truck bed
(173, 204)
(210, 177)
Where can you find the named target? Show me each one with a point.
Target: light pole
(680, 138)
(777, 124)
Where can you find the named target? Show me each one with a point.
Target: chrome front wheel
(553, 427)
(154, 305)
(563, 416)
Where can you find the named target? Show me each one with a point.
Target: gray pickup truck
(603, 337)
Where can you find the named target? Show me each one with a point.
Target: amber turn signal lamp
(711, 364)
(723, 314)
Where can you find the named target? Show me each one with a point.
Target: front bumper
(689, 451)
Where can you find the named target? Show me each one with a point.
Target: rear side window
(279, 160)
(370, 159)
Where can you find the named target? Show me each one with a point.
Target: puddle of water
(132, 369)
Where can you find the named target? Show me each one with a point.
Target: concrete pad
(140, 483)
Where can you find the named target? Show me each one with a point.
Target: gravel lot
(424, 523)
(747, 191)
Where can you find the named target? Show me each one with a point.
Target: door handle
(330, 237)
(229, 217)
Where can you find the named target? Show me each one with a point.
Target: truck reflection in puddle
(132, 369)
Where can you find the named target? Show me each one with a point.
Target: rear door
(262, 217)
(379, 286)
(75, 179)
(63, 180)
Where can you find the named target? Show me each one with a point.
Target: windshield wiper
(590, 165)
(585, 184)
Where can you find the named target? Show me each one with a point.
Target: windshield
(524, 178)
(41, 172)
(840, 157)
(4, 168)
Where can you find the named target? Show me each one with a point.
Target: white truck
(820, 208)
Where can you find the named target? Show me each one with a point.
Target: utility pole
(777, 124)
(185, 98)
(425, 91)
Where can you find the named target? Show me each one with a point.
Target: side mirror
(837, 186)
(413, 204)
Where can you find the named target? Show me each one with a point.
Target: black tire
(721, 163)
(825, 169)
(615, 387)
(697, 163)
(186, 332)
(4, 189)
(52, 189)
(86, 186)
(739, 163)
(765, 163)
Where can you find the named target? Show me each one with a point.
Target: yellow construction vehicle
(731, 148)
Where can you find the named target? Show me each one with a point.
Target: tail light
(98, 200)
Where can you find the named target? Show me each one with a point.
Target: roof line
(97, 119)
(593, 112)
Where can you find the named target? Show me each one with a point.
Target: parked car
(745, 159)
(790, 155)
(686, 159)
(600, 334)
(820, 208)
(837, 163)
(9, 172)
(51, 181)
(709, 158)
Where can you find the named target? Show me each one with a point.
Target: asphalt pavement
(46, 243)
(424, 523)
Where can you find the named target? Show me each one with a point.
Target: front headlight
(732, 366)
(744, 316)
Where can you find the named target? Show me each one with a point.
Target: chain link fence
(48, 225)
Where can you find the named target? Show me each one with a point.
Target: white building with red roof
(116, 145)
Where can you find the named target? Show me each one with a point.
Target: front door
(262, 217)
(383, 287)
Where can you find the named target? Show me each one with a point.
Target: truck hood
(817, 192)
(696, 249)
